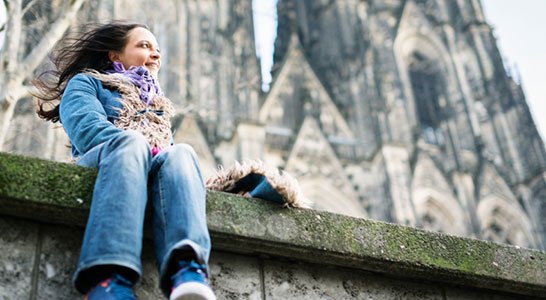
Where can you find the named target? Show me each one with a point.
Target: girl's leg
(179, 218)
(113, 236)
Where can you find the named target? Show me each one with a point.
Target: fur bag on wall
(254, 179)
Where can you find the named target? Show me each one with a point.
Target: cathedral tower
(438, 134)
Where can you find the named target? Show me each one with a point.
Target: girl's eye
(145, 45)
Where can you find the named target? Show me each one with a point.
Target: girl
(117, 119)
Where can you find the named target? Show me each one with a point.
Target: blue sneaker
(113, 288)
(191, 283)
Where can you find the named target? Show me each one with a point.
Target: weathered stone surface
(235, 276)
(465, 294)
(58, 259)
(371, 245)
(300, 281)
(18, 242)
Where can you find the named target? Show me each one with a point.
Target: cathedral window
(428, 92)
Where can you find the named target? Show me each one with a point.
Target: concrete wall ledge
(60, 193)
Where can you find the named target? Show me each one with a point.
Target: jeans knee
(182, 152)
(182, 159)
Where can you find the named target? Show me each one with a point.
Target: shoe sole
(192, 291)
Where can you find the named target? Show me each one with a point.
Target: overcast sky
(520, 30)
(265, 32)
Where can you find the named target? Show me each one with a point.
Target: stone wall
(260, 250)
(38, 260)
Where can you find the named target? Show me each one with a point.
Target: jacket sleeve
(83, 116)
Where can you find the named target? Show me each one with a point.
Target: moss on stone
(360, 239)
(45, 181)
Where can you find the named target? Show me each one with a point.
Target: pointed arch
(436, 205)
(501, 217)
(297, 92)
(505, 222)
(319, 172)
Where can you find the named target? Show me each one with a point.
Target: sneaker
(113, 288)
(191, 283)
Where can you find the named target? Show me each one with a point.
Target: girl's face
(141, 49)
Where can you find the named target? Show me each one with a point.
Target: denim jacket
(88, 111)
(95, 107)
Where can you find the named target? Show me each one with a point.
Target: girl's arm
(83, 116)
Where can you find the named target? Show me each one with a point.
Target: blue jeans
(128, 176)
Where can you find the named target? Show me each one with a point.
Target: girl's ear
(113, 56)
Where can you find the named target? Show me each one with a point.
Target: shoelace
(190, 271)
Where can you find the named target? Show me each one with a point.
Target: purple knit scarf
(139, 76)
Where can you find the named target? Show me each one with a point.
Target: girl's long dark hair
(74, 55)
